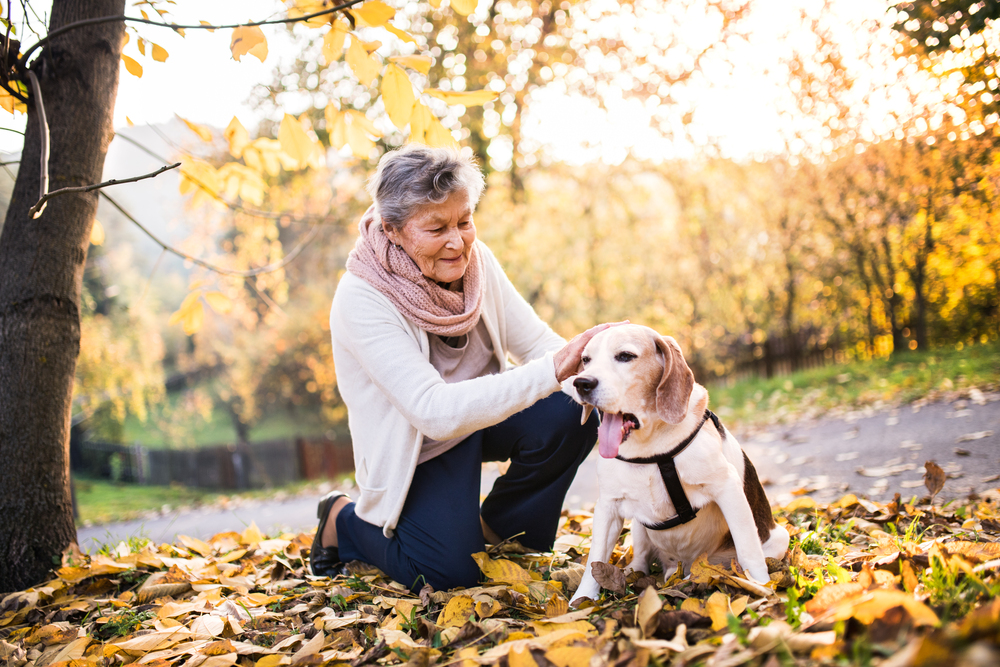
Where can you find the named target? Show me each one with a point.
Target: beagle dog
(667, 463)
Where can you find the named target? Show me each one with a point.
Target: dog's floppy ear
(676, 384)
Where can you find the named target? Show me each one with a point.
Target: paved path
(824, 457)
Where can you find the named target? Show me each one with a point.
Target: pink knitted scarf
(387, 268)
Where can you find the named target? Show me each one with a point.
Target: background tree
(73, 78)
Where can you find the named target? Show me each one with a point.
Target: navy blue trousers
(439, 528)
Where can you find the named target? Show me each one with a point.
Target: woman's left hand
(567, 360)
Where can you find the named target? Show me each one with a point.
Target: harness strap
(668, 472)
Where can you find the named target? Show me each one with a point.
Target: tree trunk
(41, 270)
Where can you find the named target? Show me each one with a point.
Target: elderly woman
(423, 324)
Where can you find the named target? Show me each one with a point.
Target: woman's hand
(567, 359)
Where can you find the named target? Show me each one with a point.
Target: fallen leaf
(934, 477)
(457, 612)
(501, 570)
(978, 435)
(609, 577)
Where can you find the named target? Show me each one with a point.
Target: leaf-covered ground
(863, 583)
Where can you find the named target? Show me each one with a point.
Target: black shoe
(325, 561)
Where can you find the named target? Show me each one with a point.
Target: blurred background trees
(868, 228)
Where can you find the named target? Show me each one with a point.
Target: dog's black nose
(585, 385)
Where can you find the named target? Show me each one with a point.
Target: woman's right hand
(567, 360)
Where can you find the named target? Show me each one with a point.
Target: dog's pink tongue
(609, 435)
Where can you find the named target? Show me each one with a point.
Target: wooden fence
(783, 355)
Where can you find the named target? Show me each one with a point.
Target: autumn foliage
(861, 579)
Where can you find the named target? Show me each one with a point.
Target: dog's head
(634, 377)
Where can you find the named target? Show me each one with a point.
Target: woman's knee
(560, 433)
(452, 572)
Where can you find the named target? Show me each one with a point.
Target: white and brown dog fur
(649, 403)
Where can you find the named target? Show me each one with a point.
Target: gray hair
(416, 175)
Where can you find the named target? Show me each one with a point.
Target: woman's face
(439, 238)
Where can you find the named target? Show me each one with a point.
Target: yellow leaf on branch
(203, 132)
(297, 144)
(248, 39)
(397, 95)
(420, 120)
(307, 7)
(469, 98)
(97, 233)
(200, 180)
(336, 127)
(421, 64)
(219, 302)
(11, 103)
(350, 128)
(159, 53)
(373, 13)
(140, 44)
(402, 34)
(191, 314)
(333, 41)
(365, 67)
(357, 139)
(239, 180)
(464, 7)
(438, 135)
(237, 136)
(264, 154)
(133, 67)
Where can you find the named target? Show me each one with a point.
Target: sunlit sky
(742, 109)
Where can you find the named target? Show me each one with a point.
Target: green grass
(900, 379)
(101, 501)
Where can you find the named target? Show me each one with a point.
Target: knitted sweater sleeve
(367, 325)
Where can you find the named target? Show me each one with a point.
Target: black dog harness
(668, 471)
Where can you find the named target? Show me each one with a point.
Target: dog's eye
(584, 360)
(624, 357)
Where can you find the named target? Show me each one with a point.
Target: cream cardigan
(394, 397)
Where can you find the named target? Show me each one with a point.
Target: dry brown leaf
(609, 577)
(934, 477)
(977, 552)
(646, 611)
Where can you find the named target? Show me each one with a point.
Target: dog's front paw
(588, 590)
(757, 573)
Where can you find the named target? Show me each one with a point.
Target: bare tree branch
(310, 235)
(256, 213)
(43, 123)
(36, 210)
(175, 26)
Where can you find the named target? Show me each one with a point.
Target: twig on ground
(39, 206)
